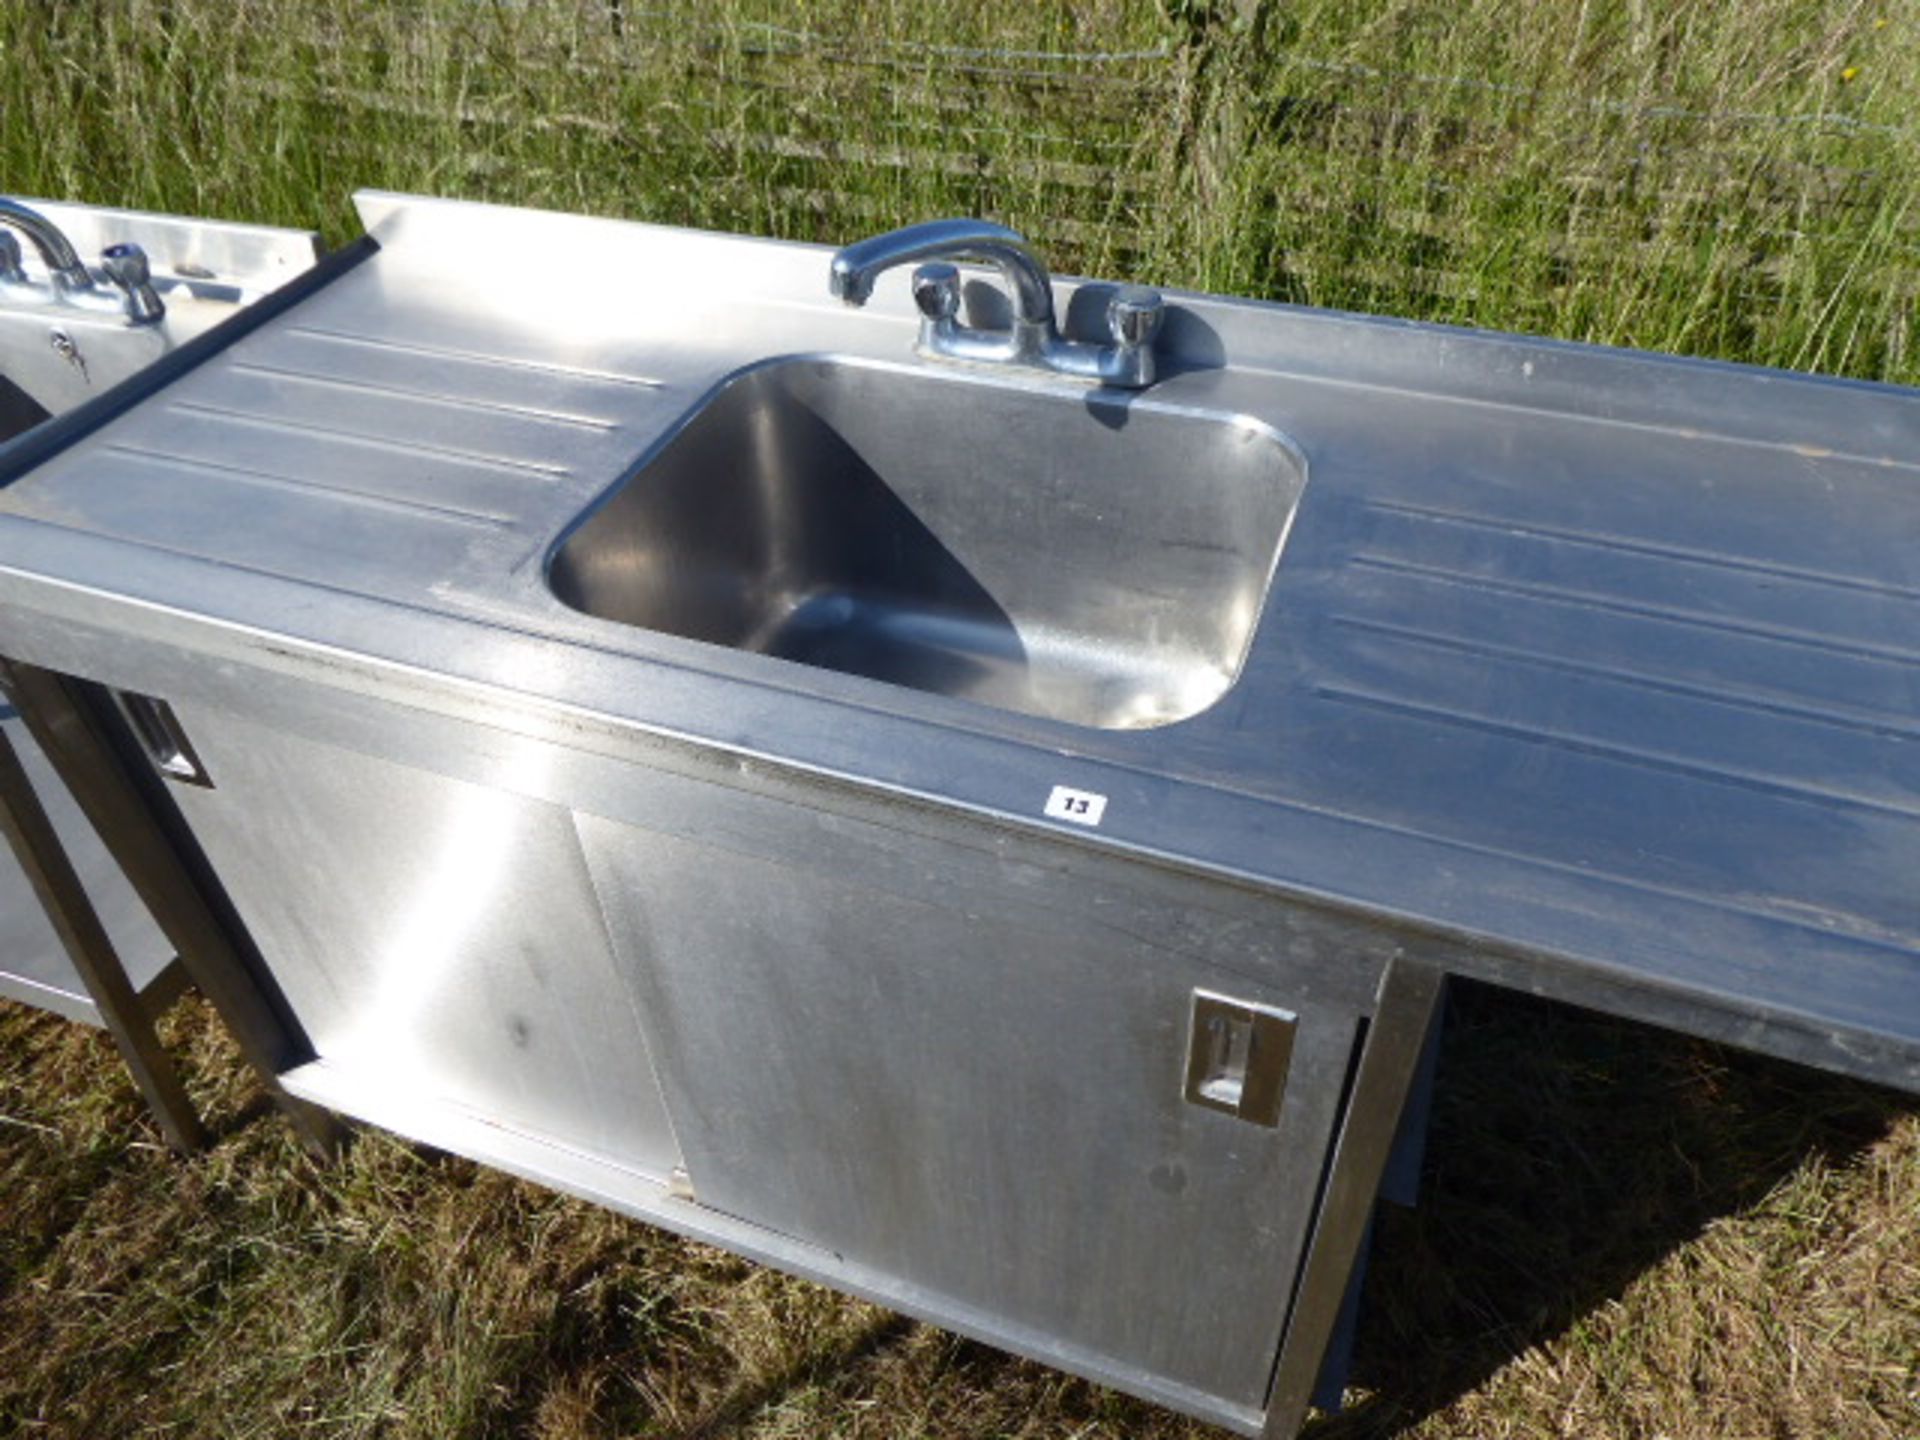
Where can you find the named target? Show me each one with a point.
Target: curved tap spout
(855, 267)
(1133, 313)
(63, 261)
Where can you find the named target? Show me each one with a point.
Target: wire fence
(1720, 184)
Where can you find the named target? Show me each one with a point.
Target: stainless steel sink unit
(74, 937)
(69, 332)
(986, 840)
(857, 517)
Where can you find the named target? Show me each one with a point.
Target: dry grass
(1625, 1235)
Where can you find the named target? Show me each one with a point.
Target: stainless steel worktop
(1603, 662)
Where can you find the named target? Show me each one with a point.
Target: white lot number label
(1082, 807)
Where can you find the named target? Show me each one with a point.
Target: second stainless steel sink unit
(74, 936)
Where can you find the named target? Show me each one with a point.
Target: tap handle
(126, 266)
(1133, 316)
(936, 290)
(10, 258)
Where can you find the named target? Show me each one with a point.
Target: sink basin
(1083, 556)
(19, 411)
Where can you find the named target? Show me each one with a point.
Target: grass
(1624, 1235)
(1726, 179)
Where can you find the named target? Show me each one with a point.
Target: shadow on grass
(731, 1414)
(1569, 1154)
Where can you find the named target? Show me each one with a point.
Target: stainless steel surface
(163, 738)
(70, 285)
(1402, 1022)
(233, 262)
(65, 271)
(922, 1056)
(126, 266)
(59, 348)
(34, 966)
(41, 854)
(78, 728)
(1238, 1055)
(1058, 554)
(75, 937)
(1134, 316)
(1526, 676)
(965, 1072)
(441, 934)
(936, 291)
(1032, 339)
(50, 361)
(55, 360)
(851, 275)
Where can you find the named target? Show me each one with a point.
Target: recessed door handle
(1238, 1054)
(158, 730)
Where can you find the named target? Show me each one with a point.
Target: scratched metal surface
(1603, 661)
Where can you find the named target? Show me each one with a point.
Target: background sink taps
(69, 280)
(63, 262)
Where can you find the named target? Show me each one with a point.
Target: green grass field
(1728, 179)
(1625, 1236)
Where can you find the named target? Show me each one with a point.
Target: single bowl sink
(1083, 556)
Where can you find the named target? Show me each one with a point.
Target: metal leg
(1409, 993)
(38, 849)
(65, 717)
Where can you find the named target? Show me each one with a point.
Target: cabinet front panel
(438, 934)
(977, 1084)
